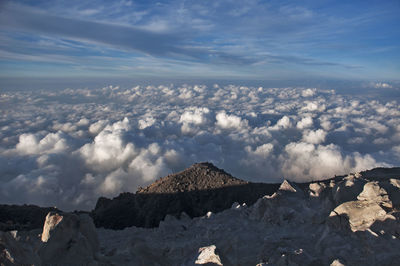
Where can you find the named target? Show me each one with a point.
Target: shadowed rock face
(195, 191)
(66, 239)
(25, 217)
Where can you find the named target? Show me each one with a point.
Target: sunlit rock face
(348, 220)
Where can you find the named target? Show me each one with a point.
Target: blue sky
(226, 39)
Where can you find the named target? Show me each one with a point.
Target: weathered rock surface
(68, 239)
(374, 193)
(322, 223)
(359, 215)
(207, 255)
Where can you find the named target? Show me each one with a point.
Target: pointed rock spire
(286, 186)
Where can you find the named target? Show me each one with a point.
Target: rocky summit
(197, 190)
(200, 176)
(348, 220)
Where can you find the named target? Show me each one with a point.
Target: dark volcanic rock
(195, 191)
(381, 173)
(25, 217)
(200, 176)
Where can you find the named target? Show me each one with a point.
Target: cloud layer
(68, 147)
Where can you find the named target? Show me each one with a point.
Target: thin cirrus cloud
(122, 36)
(170, 45)
(252, 39)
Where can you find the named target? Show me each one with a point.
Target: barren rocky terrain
(348, 220)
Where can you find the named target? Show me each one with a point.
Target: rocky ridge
(195, 191)
(351, 220)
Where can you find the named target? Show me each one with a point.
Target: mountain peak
(199, 176)
(197, 190)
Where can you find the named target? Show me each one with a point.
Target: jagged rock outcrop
(208, 255)
(352, 220)
(66, 239)
(293, 226)
(373, 205)
(195, 191)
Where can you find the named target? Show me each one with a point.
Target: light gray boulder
(337, 263)
(286, 186)
(358, 215)
(316, 188)
(395, 182)
(374, 193)
(68, 239)
(208, 255)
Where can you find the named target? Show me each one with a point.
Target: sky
(184, 39)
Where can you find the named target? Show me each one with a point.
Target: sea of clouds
(66, 148)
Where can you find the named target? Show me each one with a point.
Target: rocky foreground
(351, 220)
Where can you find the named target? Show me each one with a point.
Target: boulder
(337, 263)
(395, 182)
(68, 239)
(373, 192)
(207, 255)
(286, 186)
(358, 215)
(316, 189)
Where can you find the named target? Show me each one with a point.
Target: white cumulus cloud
(51, 143)
(382, 85)
(226, 121)
(314, 136)
(68, 152)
